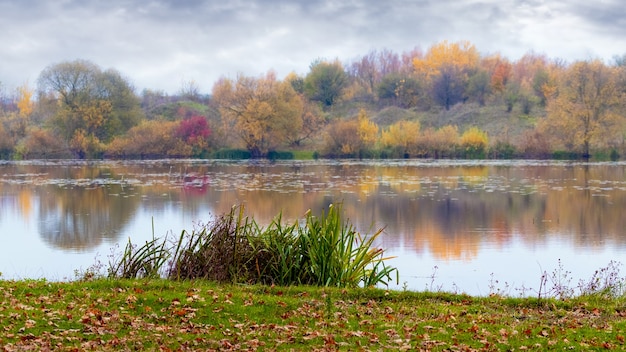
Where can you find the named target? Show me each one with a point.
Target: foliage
(337, 255)
(448, 87)
(501, 74)
(262, 112)
(41, 144)
(462, 56)
(399, 90)
(351, 137)
(439, 143)
(585, 113)
(139, 262)
(194, 131)
(219, 251)
(93, 106)
(342, 139)
(280, 155)
(150, 139)
(25, 102)
(502, 150)
(325, 82)
(6, 145)
(574, 108)
(324, 251)
(474, 143)
(402, 137)
(231, 154)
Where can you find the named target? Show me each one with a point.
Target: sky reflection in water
(455, 225)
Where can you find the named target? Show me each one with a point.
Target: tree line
(446, 102)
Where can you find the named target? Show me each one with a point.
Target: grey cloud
(159, 43)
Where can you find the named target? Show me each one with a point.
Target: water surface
(466, 226)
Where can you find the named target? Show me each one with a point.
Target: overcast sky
(159, 44)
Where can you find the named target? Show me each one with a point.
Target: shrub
(219, 251)
(324, 251)
(474, 143)
(502, 150)
(236, 154)
(276, 155)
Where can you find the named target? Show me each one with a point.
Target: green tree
(325, 82)
(92, 106)
(399, 90)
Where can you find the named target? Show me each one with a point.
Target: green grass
(152, 314)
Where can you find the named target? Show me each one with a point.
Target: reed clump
(323, 250)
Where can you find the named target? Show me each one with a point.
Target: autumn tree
(325, 82)
(532, 80)
(439, 143)
(342, 138)
(25, 101)
(447, 68)
(461, 55)
(40, 143)
(501, 75)
(354, 137)
(370, 69)
(586, 111)
(262, 112)
(151, 139)
(92, 106)
(474, 143)
(402, 137)
(194, 131)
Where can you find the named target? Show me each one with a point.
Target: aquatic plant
(323, 251)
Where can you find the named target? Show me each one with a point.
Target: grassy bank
(152, 314)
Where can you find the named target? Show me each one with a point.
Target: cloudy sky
(159, 44)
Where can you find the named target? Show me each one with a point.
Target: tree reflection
(81, 218)
(450, 210)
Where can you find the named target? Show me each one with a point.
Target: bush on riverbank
(323, 250)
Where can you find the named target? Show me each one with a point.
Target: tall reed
(323, 251)
(140, 262)
(340, 256)
(220, 251)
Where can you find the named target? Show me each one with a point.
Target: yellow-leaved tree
(462, 55)
(402, 137)
(446, 68)
(262, 112)
(368, 130)
(585, 113)
(24, 101)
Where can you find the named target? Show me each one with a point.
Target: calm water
(454, 225)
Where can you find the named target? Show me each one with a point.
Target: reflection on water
(464, 217)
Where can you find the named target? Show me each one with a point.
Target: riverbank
(198, 315)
